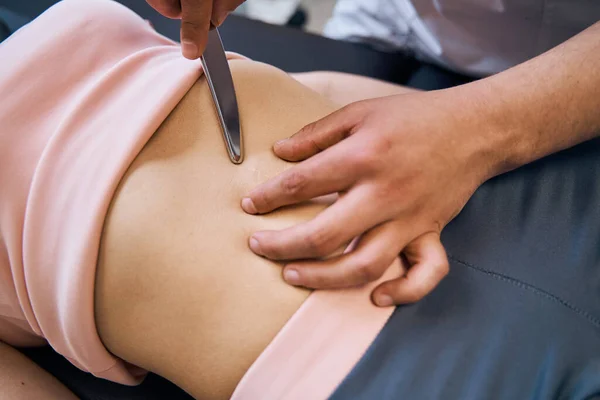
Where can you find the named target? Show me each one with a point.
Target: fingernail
(189, 49)
(291, 276)
(383, 300)
(248, 205)
(255, 246)
(280, 142)
(278, 146)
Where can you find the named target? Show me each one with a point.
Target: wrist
(496, 142)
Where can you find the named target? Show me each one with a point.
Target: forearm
(542, 106)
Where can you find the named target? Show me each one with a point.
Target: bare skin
(409, 163)
(177, 290)
(201, 307)
(343, 89)
(22, 379)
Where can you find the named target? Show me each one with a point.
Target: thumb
(195, 24)
(428, 265)
(320, 135)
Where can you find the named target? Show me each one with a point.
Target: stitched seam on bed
(540, 292)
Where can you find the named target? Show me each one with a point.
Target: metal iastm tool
(221, 86)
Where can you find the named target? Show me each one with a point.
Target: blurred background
(310, 15)
(298, 36)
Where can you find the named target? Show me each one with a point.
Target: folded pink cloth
(84, 87)
(318, 346)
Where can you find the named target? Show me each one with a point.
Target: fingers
(168, 8)
(323, 174)
(428, 266)
(320, 135)
(322, 235)
(222, 8)
(373, 255)
(195, 23)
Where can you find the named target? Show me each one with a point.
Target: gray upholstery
(518, 317)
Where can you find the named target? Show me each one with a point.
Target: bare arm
(407, 164)
(542, 106)
(22, 379)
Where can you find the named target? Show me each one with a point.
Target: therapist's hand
(196, 17)
(403, 165)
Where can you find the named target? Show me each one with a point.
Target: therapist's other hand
(403, 165)
(196, 17)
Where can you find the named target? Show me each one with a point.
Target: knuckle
(320, 243)
(308, 130)
(190, 26)
(270, 249)
(385, 192)
(443, 269)
(383, 145)
(366, 271)
(358, 108)
(293, 183)
(262, 202)
(365, 159)
(308, 139)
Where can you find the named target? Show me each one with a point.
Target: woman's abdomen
(178, 292)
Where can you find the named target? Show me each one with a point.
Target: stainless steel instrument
(221, 86)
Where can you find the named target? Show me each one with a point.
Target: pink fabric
(318, 346)
(83, 88)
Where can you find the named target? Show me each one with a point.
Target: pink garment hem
(318, 347)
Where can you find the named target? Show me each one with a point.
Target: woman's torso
(178, 292)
